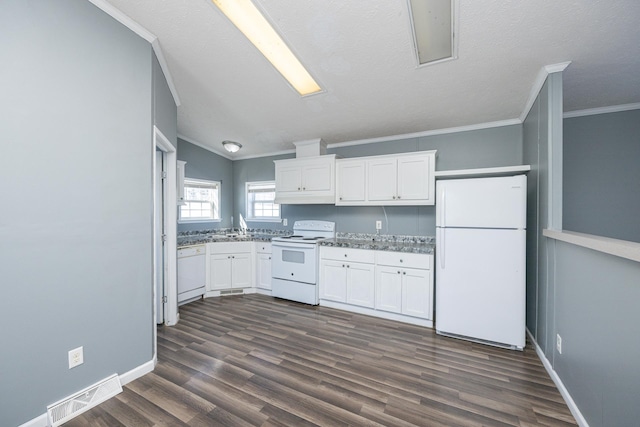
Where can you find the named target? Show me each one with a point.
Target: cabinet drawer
(346, 254)
(263, 247)
(229, 247)
(191, 251)
(403, 259)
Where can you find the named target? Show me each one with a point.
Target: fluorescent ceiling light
(255, 27)
(433, 29)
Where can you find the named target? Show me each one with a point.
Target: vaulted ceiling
(361, 53)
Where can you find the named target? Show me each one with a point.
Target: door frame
(171, 315)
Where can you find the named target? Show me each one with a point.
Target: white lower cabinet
(404, 283)
(347, 275)
(394, 285)
(263, 266)
(404, 290)
(230, 266)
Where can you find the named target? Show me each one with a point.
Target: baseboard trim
(127, 377)
(575, 411)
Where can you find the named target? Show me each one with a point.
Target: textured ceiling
(361, 53)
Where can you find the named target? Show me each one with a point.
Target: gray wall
(203, 164)
(165, 112)
(601, 175)
(597, 316)
(585, 296)
(501, 146)
(76, 223)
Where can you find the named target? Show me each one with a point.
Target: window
(201, 201)
(260, 201)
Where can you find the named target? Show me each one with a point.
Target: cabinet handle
(340, 198)
(401, 261)
(269, 257)
(394, 197)
(398, 272)
(303, 188)
(398, 197)
(404, 272)
(345, 255)
(298, 188)
(347, 265)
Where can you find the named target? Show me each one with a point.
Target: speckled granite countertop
(200, 237)
(380, 242)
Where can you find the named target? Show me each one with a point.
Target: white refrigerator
(480, 259)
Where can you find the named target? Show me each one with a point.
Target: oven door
(294, 261)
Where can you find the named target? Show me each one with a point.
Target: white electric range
(294, 261)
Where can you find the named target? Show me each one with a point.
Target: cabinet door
(416, 293)
(350, 181)
(333, 280)
(361, 284)
(414, 178)
(389, 289)
(317, 176)
(382, 179)
(288, 178)
(263, 274)
(220, 271)
(241, 270)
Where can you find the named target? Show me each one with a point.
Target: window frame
(218, 184)
(248, 204)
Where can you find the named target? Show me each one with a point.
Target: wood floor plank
(253, 360)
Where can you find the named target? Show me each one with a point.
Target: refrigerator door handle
(443, 207)
(440, 247)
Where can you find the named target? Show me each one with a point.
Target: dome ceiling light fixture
(231, 146)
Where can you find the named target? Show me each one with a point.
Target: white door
(361, 284)
(241, 270)
(317, 177)
(480, 284)
(333, 280)
(388, 289)
(220, 270)
(350, 177)
(482, 202)
(416, 293)
(413, 178)
(382, 179)
(159, 232)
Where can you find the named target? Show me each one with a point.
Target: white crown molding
(275, 153)
(165, 69)
(478, 126)
(125, 20)
(538, 83)
(602, 110)
(201, 145)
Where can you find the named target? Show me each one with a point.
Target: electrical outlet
(378, 225)
(76, 357)
(559, 343)
(285, 222)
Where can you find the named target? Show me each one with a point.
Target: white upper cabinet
(305, 180)
(351, 181)
(406, 179)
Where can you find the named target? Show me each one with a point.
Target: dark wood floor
(257, 361)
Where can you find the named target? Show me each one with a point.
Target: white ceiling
(361, 53)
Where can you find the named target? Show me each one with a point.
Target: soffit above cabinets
(362, 53)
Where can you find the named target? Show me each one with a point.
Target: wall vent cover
(72, 406)
(231, 292)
